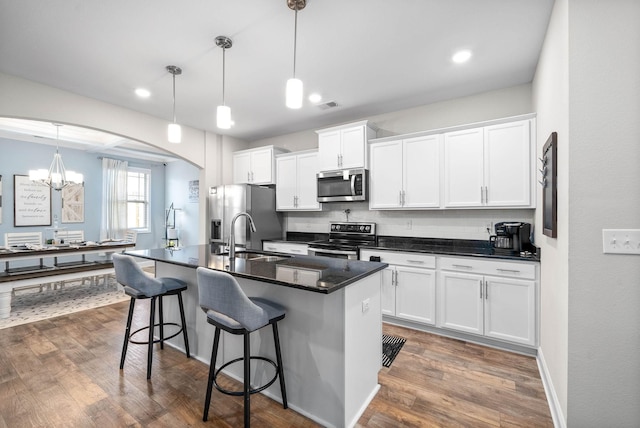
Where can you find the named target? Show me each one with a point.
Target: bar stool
(228, 308)
(139, 285)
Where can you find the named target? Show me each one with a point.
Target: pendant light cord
(295, 40)
(174, 98)
(223, 73)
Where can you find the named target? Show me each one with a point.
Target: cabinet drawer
(285, 247)
(489, 267)
(401, 258)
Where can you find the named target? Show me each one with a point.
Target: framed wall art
(31, 202)
(73, 204)
(0, 199)
(550, 186)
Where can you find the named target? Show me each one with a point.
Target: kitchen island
(330, 337)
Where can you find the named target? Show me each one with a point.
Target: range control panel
(356, 228)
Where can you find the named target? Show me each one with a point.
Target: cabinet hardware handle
(400, 197)
(248, 176)
(486, 195)
(481, 289)
(416, 261)
(295, 250)
(463, 266)
(481, 196)
(252, 176)
(403, 198)
(396, 272)
(508, 270)
(486, 290)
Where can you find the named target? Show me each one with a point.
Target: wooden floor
(63, 372)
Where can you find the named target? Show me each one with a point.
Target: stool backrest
(22, 238)
(130, 236)
(220, 292)
(130, 274)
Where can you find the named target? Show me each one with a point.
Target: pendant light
(223, 113)
(174, 132)
(56, 177)
(294, 90)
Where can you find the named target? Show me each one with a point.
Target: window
(138, 198)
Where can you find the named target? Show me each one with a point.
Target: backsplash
(452, 224)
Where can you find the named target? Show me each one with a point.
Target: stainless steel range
(345, 240)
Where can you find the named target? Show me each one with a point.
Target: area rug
(34, 304)
(391, 345)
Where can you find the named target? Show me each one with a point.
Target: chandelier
(56, 177)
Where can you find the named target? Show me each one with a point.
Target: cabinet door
(261, 166)
(388, 292)
(329, 151)
(421, 166)
(508, 164)
(353, 147)
(510, 310)
(460, 302)
(464, 168)
(242, 168)
(285, 182)
(415, 294)
(385, 176)
(307, 189)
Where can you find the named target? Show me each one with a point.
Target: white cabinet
(405, 173)
(489, 166)
(299, 248)
(408, 285)
(496, 299)
(255, 166)
(343, 147)
(296, 188)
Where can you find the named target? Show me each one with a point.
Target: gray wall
(19, 157)
(587, 89)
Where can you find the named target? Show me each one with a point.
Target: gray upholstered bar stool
(139, 285)
(228, 308)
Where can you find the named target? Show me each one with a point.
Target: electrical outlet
(409, 224)
(621, 241)
(489, 227)
(365, 305)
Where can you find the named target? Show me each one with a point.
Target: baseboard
(552, 398)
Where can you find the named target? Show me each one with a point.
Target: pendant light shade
(223, 113)
(294, 91)
(56, 177)
(174, 131)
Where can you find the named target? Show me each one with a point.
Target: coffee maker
(511, 237)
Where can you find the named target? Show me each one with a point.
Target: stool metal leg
(247, 380)
(152, 319)
(161, 319)
(283, 389)
(127, 332)
(212, 370)
(184, 325)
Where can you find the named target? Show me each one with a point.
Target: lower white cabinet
(494, 299)
(299, 248)
(408, 285)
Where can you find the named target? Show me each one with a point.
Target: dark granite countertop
(453, 247)
(317, 274)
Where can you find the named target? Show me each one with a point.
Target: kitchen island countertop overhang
(331, 336)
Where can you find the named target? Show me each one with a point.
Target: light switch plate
(621, 241)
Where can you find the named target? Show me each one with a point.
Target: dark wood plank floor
(63, 372)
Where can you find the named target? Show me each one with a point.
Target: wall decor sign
(194, 190)
(550, 186)
(0, 199)
(73, 204)
(31, 202)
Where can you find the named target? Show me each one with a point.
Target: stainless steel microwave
(343, 185)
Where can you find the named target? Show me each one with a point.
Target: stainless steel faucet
(232, 234)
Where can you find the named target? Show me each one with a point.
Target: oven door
(333, 252)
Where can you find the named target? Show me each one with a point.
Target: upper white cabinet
(405, 173)
(255, 166)
(296, 188)
(489, 166)
(343, 147)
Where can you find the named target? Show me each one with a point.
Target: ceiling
(369, 56)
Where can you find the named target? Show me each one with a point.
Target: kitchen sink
(258, 257)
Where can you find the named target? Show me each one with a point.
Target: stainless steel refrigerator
(258, 201)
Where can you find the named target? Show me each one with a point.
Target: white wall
(177, 178)
(604, 180)
(550, 99)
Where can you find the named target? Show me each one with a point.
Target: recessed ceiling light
(143, 93)
(461, 56)
(315, 97)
